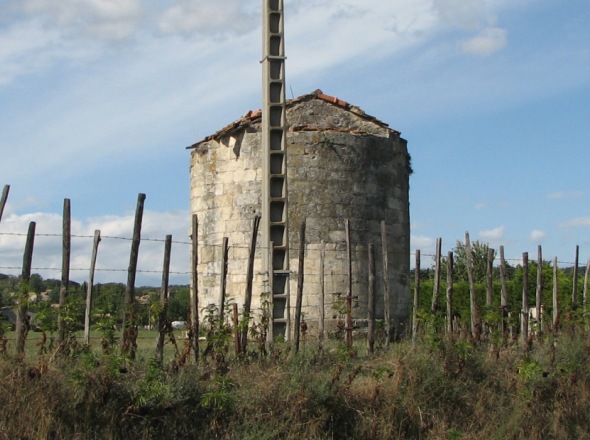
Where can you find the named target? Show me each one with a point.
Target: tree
(479, 257)
(178, 304)
(36, 283)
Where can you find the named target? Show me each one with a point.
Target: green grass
(146, 343)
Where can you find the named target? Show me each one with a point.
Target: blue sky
(99, 98)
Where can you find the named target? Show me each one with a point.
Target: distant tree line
(514, 284)
(108, 300)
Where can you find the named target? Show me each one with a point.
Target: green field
(146, 343)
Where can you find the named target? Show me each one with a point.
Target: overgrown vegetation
(449, 390)
(434, 386)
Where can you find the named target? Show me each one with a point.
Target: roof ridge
(252, 116)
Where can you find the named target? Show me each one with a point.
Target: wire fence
(219, 246)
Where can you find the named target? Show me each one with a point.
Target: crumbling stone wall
(341, 165)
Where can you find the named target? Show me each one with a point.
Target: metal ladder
(274, 168)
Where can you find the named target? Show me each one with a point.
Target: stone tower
(342, 164)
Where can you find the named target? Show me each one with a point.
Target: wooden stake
(450, 292)
(524, 312)
(238, 350)
(386, 290)
(22, 317)
(539, 291)
(300, 279)
(416, 295)
(475, 315)
(436, 287)
(504, 290)
(575, 281)
(585, 298)
(88, 310)
(194, 307)
(249, 278)
(490, 278)
(65, 271)
(349, 292)
(129, 337)
(162, 326)
(321, 300)
(555, 297)
(223, 282)
(3, 199)
(371, 301)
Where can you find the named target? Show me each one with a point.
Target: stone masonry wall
(340, 166)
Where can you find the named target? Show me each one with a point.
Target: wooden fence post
(300, 279)
(223, 282)
(503, 291)
(88, 310)
(22, 317)
(349, 290)
(371, 301)
(490, 277)
(249, 278)
(65, 271)
(436, 287)
(386, 290)
(585, 297)
(524, 313)
(129, 337)
(575, 281)
(450, 292)
(416, 295)
(555, 297)
(162, 325)
(475, 315)
(237, 335)
(539, 291)
(194, 307)
(3, 199)
(322, 297)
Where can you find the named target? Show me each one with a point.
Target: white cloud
(577, 222)
(105, 19)
(113, 250)
(203, 16)
(481, 205)
(422, 242)
(564, 195)
(465, 14)
(487, 42)
(340, 31)
(537, 235)
(23, 49)
(492, 234)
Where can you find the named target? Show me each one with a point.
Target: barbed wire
(231, 247)
(55, 269)
(22, 234)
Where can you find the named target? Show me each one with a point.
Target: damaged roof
(254, 116)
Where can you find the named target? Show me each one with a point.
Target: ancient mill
(315, 158)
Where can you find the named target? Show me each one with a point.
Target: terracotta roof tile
(253, 116)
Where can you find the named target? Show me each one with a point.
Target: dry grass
(422, 390)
